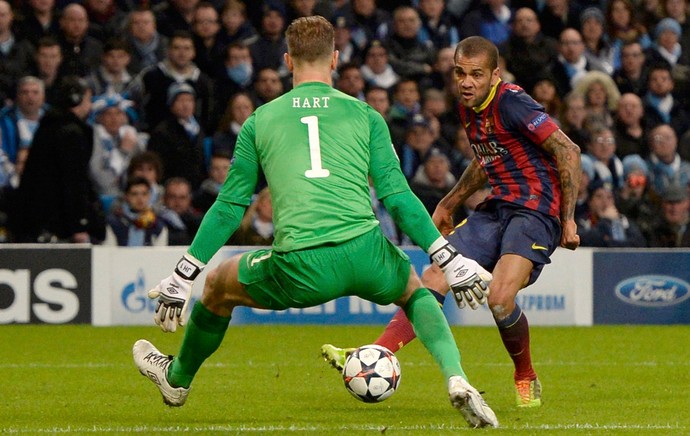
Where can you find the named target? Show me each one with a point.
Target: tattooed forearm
(471, 180)
(567, 155)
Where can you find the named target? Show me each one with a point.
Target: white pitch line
(320, 428)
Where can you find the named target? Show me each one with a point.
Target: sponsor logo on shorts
(653, 291)
(538, 247)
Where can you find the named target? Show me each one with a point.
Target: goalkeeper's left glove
(468, 281)
(173, 293)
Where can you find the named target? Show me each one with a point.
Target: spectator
(407, 56)
(573, 63)
(133, 223)
(269, 48)
(601, 96)
(490, 20)
(419, 140)
(558, 15)
(236, 28)
(461, 153)
(433, 179)
(596, 44)
(235, 75)
(174, 16)
(115, 143)
(649, 13)
(631, 77)
(350, 81)
(150, 89)
(379, 99)
(377, 71)
(147, 45)
(18, 123)
(406, 104)
(239, 108)
(441, 71)
(178, 214)
(628, 129)
(435, 107)
(299, 8)
(256, 227)
(81, 52)
(106, 19)
(633, 197)
(666, 46)
(48, 59)
(527, 52)
(666, 168)
(671, 229)
(573, 117)
(544, 93)
(178, 139)
(660, 104)
(622, 26)
(112, 77)
(369, 22)
(606, 226)
(149, 166)
(348, 51)
(267, 86)
(208, 46)
(217, 173)
(437, 25)
(15, 54)
(55, 199)
(678, 10)
(39, 19)
(608, 167)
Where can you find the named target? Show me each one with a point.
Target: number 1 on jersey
(316, 170)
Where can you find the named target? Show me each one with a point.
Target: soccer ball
(371, 373)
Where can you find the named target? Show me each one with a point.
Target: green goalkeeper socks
(432, 329)
(202, 337)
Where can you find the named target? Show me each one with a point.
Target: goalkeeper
(317, 147)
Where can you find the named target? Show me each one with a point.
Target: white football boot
(470, 403)
(154, 365)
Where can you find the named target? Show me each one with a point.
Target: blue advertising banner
(642, 287)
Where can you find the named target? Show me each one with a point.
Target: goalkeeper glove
(468, 281)
(173, 293)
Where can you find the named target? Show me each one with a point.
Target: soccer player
(533, 169)
(316, 147)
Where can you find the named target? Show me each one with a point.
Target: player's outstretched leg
(335, 356)
(470, 403)
(154, 365)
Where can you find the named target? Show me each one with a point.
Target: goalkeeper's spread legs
(154, 365)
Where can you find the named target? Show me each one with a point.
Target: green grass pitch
(631, 380)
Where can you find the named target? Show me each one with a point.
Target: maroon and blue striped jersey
(506, 133)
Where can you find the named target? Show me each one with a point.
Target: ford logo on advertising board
(653, 291)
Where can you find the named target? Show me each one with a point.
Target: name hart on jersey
(310, 102)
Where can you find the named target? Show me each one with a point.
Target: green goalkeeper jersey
(316, 146)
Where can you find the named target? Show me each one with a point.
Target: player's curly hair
(310, 39)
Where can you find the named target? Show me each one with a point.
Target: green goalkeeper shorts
(368, 266)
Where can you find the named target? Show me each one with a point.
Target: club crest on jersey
(489, 125)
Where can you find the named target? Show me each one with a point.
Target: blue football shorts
(499, 228)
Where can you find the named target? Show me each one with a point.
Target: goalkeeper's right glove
(173, 293)
(468, 281)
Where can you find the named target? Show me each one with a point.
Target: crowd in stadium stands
(171, 83)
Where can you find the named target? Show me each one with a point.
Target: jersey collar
(490, 97)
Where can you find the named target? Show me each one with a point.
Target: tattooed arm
(567, 155)
(471, 180)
